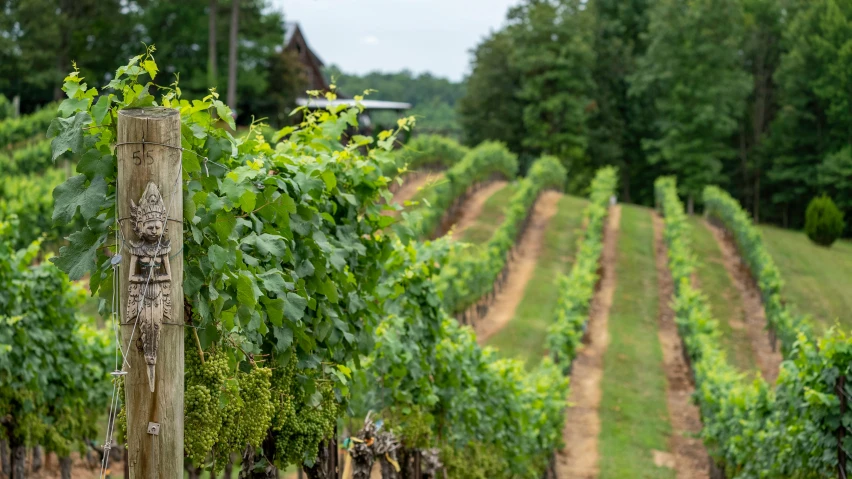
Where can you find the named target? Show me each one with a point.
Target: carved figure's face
(152, 229)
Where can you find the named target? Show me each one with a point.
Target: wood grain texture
(153, 456)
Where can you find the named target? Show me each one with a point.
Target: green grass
(524, 336)
(725, 300)
(489, 218)
(634, 417)
(818, 281)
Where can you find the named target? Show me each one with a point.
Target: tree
(618, 122)
(40, 38)
(37, 36)
(762, 52)
(553, 53)
(212, 67)
(232, 55)
(174, 28)
(834, 176)
(490, 108)
(814, 123)
(692, 72)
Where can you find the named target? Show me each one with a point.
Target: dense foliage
(29, 198)
(280, 252)
(786, 324)
(823, 221)
(13, 130)
(577, 289)
(750, 429)
(31, 157)
(470, 274)
(54, 363)
(7, 109)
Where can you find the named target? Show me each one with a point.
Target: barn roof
(290, 29)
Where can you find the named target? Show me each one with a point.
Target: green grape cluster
(121, 417)
(202, 416)
(246, 418)
(299, 428)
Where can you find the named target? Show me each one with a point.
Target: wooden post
(150, 209)
(839, 389)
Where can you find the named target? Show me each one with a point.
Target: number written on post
(137, 160)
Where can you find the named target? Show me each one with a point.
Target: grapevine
(747, 425)
(53, 363)
(572, 310)
(279, 247)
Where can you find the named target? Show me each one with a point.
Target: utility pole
(149, 200)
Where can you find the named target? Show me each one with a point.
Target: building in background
(312, 66)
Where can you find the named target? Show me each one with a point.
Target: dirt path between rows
(81, 468)
(411, 185)
(768, 360)
(521, 268)
(690, 458)
(579, 458)
(473, 206)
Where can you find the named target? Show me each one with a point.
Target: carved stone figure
(149, 301)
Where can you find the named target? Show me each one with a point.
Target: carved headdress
(150, 208)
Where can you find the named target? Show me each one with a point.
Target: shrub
(432, 151)
(823, 221)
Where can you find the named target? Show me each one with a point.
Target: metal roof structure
(316, 103)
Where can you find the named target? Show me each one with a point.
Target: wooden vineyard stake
(149, 199)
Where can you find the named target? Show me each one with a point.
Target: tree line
(752, 95)
(234, 45)
(434, 99)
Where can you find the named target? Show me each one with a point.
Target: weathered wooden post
(150, 210)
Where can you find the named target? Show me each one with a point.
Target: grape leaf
(284, 337)
(273, 282)
(267, 244)
(78, 258)
(247, 290)
(94, 163)
(218, 256)
(67, 133)
(294, 308)
(74, 193)
(73, 105)
(274, 309)
(101, 108)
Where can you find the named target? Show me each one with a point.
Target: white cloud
(370, 40)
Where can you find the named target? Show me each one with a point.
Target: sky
(360, 36)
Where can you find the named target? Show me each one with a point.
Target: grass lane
(489, 219)
(524, 336)
(725, 300)
(634, 417)
(818, 281)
